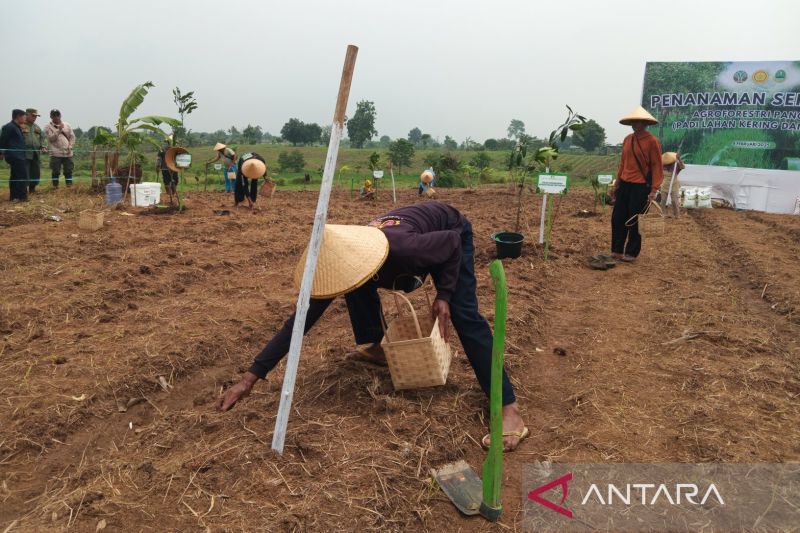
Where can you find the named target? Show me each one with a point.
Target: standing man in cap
(12, 148)
(251, 168)
(34, 142)
(638, 180)
(228, 157)
(397, 251)
(62, 141)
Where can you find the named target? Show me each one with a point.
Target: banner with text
(735, 114)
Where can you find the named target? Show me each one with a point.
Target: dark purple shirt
(423, 239)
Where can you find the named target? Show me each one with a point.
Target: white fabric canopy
(772, 191)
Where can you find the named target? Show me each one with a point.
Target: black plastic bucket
(509, 244)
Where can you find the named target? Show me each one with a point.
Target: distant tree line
(361, 133)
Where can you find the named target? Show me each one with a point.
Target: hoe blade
(462, 485)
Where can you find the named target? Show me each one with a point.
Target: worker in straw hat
(638, 179)
(251, 168)
(426, 180)
(228, 157)
(367, 191)
(396, 251)
(671, 186)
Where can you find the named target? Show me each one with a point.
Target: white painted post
(293, 359)
(394, 191)
(544, 210)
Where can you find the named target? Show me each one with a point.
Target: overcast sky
(463, 69)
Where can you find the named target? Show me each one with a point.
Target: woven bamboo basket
(417, 354)
(651, 224)
(90, 220)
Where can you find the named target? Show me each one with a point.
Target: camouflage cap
(32, 111)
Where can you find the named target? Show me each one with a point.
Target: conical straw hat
(253, 169)
(219, 146)
(667, 158)
(348, 257)
(639, 113)
(169, 157)
(426, 176)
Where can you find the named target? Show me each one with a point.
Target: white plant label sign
(377, 174)
(552, 183)
(605, 179)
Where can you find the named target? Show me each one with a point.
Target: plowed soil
(691, 354)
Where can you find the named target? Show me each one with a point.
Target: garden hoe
(458, 480)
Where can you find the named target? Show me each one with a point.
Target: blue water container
(113, 192)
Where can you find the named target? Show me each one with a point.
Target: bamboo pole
(293, 359)
(493, 464)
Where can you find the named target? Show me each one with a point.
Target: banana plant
(133, 132)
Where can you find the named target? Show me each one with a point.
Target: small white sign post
(377, 175)
(604, 179)
(394, 190)
(544, 209)
(550, 184)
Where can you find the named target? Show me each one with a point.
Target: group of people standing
(22, 143)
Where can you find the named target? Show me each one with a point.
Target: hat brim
(667, 158)
(629, 121)
(253, 169)
(349, 256)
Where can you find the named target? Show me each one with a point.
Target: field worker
(228, 157)
(169, 176)
(34, 142)
(396, 251)
(426, 181)
(62, 140)
(638, 179)
(12, 148)
(671, 162)
(251, 168)
(367, 191)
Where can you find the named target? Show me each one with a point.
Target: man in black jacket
(431, 238)
(12, 148)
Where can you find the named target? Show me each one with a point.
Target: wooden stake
(293, 360)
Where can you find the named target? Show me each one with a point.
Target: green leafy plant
(131, 133)
(292, 161)
(522, 165)
(186, 104)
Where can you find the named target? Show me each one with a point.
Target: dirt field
(690, 355)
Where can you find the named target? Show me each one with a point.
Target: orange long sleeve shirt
(648, 151)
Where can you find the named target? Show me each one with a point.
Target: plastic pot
(509, 244)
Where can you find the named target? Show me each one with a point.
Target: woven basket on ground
(417, 354)
(651, 224)
(90, 219)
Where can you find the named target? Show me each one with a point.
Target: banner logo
(760, 76)
(740, 76)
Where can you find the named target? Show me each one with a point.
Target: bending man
(397, 251)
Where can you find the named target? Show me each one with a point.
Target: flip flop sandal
(361, 355)
(601, 262)
(521, 434)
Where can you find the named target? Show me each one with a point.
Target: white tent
(773, 191)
